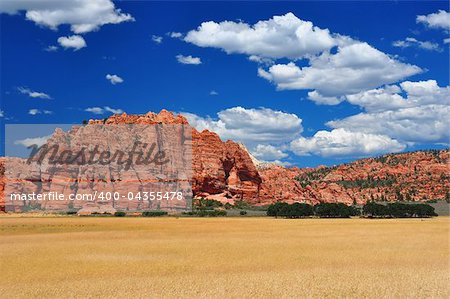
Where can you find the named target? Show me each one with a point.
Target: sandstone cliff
(225, 171)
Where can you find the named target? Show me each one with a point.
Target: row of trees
(398, 210)
(300, 210)
(340, 210)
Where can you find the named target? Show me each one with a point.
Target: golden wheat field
(224, 257)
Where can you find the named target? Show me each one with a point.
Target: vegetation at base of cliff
(340, 210)
(335, 210)
(210, 204)
(202, 207)
(296, 210)
(398, 210)
(206, 213)
(153, 213)
(120, 214)
(322, 210)
(203, 203)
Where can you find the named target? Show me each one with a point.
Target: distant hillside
(414, 176)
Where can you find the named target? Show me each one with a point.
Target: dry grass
(225, 257)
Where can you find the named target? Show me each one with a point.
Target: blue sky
(273, 111)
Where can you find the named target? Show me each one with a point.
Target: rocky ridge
(225, 171)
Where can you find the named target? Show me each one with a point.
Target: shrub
(423, 210)
(228, 206)
(120, 214)
(213, 213)
(243, 213)
(274, 209)
(334, 210)
(398, 210)
(296, 210)
(355, 211)
(203, 203)
(153, 213)
(206, 213)
(240, 204)
(372, 209)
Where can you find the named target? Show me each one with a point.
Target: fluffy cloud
(250, 126)
(268, 152)
(412, 42)
(438, 20)
(389, 97)
(322, 100)
(261, 60)
(352, 69)
(37, 111)
(157, 39)
(82, 15)
(76, 42)
(263, 131)
(395, 116)
(2, 113)
(447, 41)
(419, 117)
(51, 49)
(188, 59)
(39, 141)
(114, 79)
(336, 65)
(33, 94)
(344, 143)
(213, 93)
(100, 110)
(422, 124)
(278, 37)
(33, 111)
(175, 34)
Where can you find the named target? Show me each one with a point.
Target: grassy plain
(224, 257)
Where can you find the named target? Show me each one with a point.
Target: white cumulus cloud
(412, 42)
(38, 141)
(37, 111)
(438, 20)
(76, 42)
(250, 126)
(332, 65)
(34, 111)
(114, 79)
(175, 34)
(267, 152)
(33, 94)
(344, 143)
(188, 59)
(103, 110)
(352, 69)
(419, 116)
(82, 15)
(157, 39)
(51, 49)
(278, 37)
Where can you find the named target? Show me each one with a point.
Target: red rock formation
(225, 171)
(421, 175)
